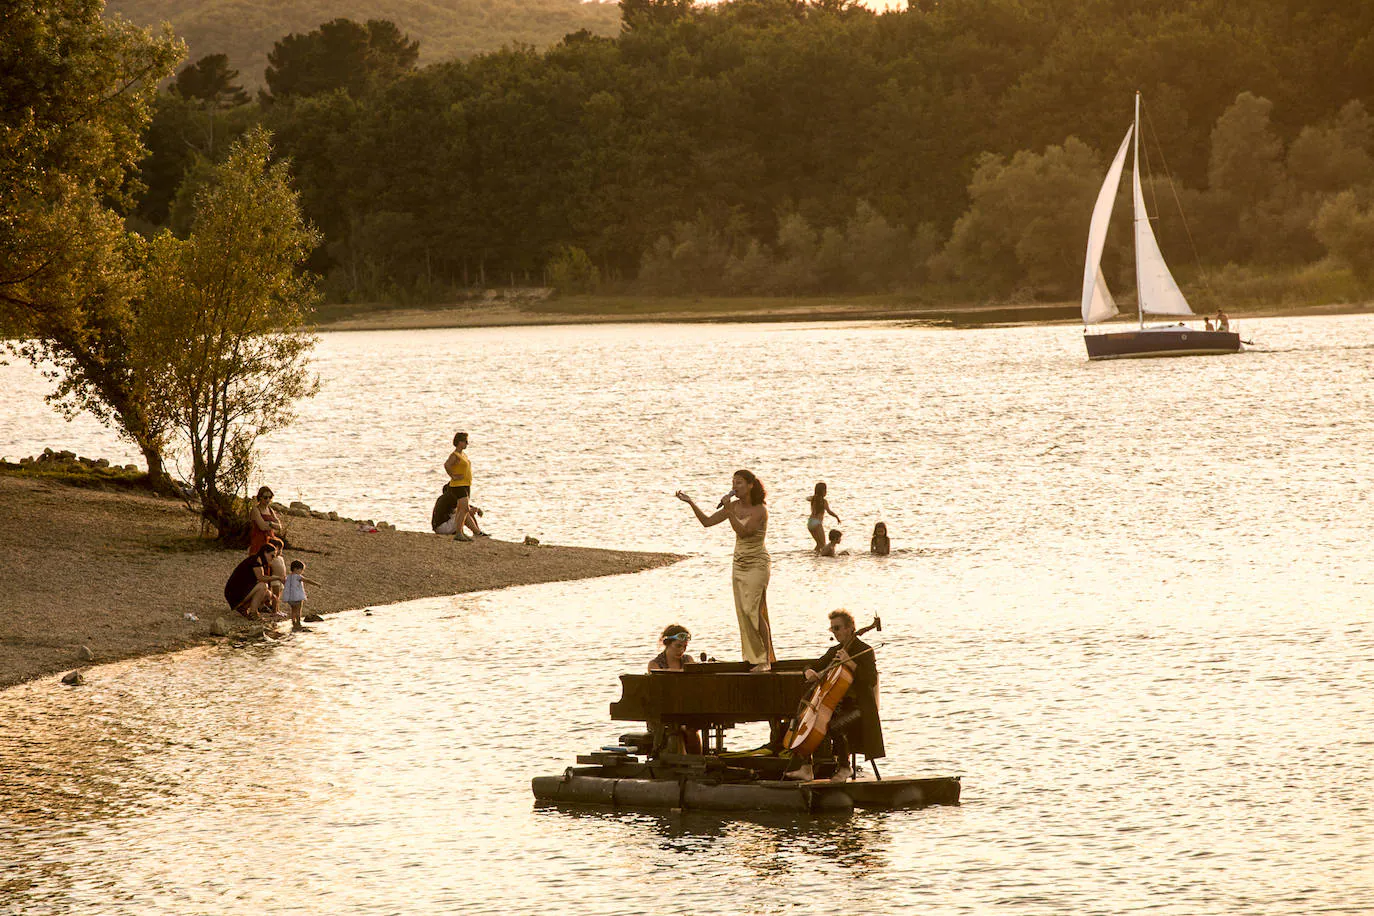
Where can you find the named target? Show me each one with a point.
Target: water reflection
(1135, 622)
(769, 844)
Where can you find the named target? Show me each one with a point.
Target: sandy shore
(625, 310)
(114, 571)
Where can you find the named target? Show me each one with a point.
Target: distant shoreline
(98, 575)
(517, 312)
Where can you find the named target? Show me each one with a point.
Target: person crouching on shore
(250, 584)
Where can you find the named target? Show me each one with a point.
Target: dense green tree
(210, 80)
(1027, 220)
(76, 94)
(1335, 155)
(341, 54)
(571, 271)
(1345, 225)
(180, 133)
(652, 14)
(680, 147)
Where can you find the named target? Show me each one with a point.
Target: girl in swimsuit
(816, 523)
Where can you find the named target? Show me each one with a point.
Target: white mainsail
(1098, 304)
(1159, 294)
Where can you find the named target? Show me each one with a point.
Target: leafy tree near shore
(1027, 219)
(1346, 228)
(76, 92)
(223, 346)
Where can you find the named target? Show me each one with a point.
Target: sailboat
(1157, 294)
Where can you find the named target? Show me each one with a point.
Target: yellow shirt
(461, 475)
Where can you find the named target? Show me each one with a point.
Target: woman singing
(744, 509)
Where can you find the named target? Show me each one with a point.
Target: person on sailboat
(1208, 322)
(1223, 321)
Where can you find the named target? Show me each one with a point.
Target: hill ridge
(245, 30)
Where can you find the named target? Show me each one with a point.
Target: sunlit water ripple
(1129, 605)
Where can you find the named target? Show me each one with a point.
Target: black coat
(864, 692)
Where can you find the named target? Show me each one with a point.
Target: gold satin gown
(749, 577)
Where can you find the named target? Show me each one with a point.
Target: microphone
(721, 504)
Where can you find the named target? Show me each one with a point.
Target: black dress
(243, 578)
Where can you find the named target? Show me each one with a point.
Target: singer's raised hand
(683, 496)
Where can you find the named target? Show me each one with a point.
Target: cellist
(856, 717)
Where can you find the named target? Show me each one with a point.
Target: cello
(812, 721)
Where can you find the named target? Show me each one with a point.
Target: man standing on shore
(458, 490)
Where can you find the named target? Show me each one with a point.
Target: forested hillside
(245, 29)
(777, 146)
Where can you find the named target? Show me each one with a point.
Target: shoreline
(533, 312)
(115, 571)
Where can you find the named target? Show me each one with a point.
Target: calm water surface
(1129, 604)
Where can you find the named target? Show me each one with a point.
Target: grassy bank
(514, 311)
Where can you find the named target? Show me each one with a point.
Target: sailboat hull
(1151, 343)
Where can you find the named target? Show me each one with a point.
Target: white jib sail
(1098, 304)
(1159, 294)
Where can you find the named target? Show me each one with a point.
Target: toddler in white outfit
(293, 592)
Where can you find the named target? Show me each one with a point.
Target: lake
(1128, 602)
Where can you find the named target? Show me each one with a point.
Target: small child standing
(293, 593)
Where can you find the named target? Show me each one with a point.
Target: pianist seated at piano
(674, 656)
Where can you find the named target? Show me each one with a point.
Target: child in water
(293, 593)
(832, 548)
(820, 507)
(880, 545)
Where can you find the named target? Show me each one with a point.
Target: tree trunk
(158, 481)
(223, 512)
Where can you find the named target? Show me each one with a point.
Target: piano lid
(712, 693)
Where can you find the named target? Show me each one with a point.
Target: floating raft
(590, 786)
(643, 772)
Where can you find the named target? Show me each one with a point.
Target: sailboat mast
(1135, 165)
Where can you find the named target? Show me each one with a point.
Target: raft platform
(600, 786)
(644, 772)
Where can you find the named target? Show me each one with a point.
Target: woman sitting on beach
(250, 584)
(816, 523)
(674, 657)
(744, 508)
(263, 523)
(880, 546)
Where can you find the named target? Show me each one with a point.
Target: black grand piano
(712, 695)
